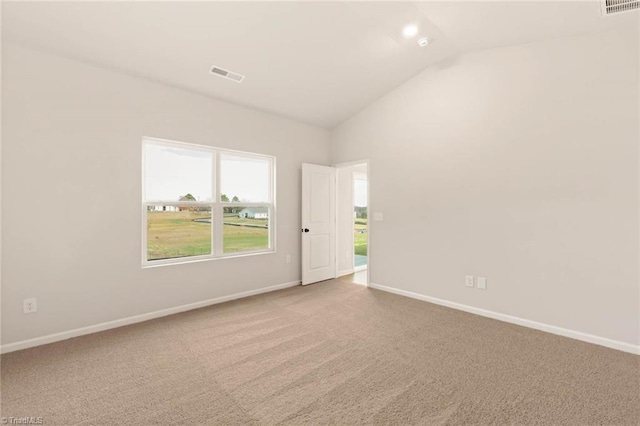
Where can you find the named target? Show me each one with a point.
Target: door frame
(367, 163)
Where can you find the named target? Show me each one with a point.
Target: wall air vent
(234, 76)
(612, 7)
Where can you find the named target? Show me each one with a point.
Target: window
(203, 203)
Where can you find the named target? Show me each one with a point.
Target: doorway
(360, 221)
(352, 218)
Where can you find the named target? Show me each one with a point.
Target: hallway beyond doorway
(359, 260)
(356, 278)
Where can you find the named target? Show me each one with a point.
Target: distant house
(187, 197)
(254, 213)
(164, 208)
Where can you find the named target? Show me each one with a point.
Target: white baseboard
(590, 338)
(56, 337)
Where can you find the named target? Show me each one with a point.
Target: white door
(318, 223)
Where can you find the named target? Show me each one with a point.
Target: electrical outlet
(29, 306)
(482, 283)
(288, 258)
(468, 280)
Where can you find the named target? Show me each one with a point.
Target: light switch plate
(482, 283)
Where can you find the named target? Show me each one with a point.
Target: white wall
(71, 193)
(518, 164)
(345, 218)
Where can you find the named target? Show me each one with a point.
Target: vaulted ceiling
(316, 62)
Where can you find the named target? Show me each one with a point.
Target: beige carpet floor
(332, 352)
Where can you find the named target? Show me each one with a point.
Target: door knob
(305, 230)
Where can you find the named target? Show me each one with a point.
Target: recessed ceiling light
(410, 31)
(424, 41)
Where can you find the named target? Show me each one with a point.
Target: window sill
(197, 259)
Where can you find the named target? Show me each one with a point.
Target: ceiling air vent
(221, 72)
(612, 7)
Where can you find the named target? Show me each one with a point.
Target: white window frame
(217, 206)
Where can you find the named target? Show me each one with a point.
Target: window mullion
(214, 191)
(219, 211)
